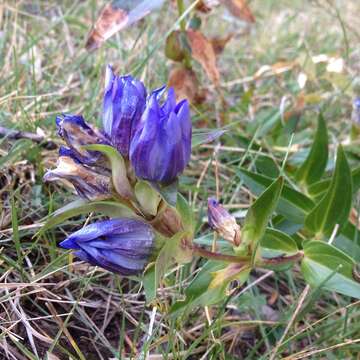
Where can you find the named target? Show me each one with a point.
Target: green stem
(181, 10)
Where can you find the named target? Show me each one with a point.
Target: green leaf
(293, 205)
(186, 214)
(319, 188)
(118, 169)
(200, 137)
(168, 192)
(335, 206)
(315, 164)
(173, 251)
(198, 292)
(258, 217)
(147, 197)
(279, 242)
(150, 286)
(324, 264)
(80, 207)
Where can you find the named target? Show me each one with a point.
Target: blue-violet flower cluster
(153, 138)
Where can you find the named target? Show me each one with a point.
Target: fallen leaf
(205, 6)
(203, 52)
(240, 9)
(219, 43)
(117, 15)
(186, 85)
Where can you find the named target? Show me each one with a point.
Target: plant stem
(281, 259)
(196, 250)
(220, 257)
(181, 10)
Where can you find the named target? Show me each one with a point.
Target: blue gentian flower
(223, 222)
(77, 133)
(124, 103)
(122, 246)
(88, 183)
(355, 115)
(161, 146)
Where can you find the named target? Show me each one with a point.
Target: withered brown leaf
(240, 9)
(186, 85)
(203, 52)
(117, 15)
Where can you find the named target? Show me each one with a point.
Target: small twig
(17, 134)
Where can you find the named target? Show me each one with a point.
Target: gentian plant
(128, 173)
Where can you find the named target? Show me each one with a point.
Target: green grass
(51, 303)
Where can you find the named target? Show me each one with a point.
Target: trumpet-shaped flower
(161, 146)
(88, 183)
(123, 246)
(124, 103)
(77, 133)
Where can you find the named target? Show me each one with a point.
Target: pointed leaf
(319, 188)
(335, 206)
(278, 241)
(198, 292)
(80, 207)
(200, 137)
(258, 217)
(173, 251)
(315, 164)
(329, 267)
(293, 205)
(186, 214)
(167, 192)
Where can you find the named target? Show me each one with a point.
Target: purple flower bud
(161, 146)
(123, 246)
(355, 115)
(222, 222)
(88, 183)
(124, 103)
(76, 133)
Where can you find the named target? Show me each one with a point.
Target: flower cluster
(152, 137)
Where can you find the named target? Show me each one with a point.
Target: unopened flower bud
(124, 103)
(123, 246)
(222, 222)
(88, 183)
(161, 146)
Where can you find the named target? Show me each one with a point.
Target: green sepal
(147, 197)
(118, 169)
